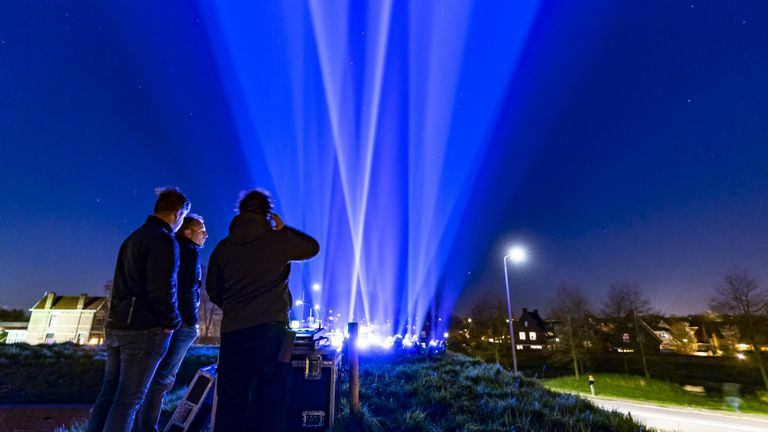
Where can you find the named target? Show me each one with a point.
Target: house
(664, 332)
(621, 336)
(56, 319)
(13, 331)
(531, 332)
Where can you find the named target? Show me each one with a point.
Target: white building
(57, 319)
(13, 332)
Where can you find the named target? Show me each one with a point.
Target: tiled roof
(70, 303)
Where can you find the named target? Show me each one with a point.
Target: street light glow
(299, 302)
(518, 255)
(316, 287)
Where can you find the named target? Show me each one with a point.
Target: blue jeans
(149, 413)
(252, 385)
(132, 356)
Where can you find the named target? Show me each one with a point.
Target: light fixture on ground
(518, 255)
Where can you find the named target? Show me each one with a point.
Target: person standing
(191, 237)
(143, 313)
(248, 279)
(591, 382)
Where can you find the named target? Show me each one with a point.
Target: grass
(170, 403)
(451, 392)
(456, 393)
(657, 391)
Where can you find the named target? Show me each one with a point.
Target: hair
(190, 220)
(170, 200)
(254, 201)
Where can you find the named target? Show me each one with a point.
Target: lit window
(522, 335)
(525, 323)
(532, 335)
(625, 337)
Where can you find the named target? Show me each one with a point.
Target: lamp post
(518, 256)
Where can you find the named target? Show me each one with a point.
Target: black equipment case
(315, 391)
(315, 388)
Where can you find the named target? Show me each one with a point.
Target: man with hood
(248, 279)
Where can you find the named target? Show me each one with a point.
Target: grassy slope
(639, 388)
(449, 393)
(456, 393)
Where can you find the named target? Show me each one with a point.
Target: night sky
(632, 144)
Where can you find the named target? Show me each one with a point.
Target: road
(685, 419)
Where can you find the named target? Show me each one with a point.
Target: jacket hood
(246, 227)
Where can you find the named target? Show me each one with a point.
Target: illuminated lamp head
(255, 201)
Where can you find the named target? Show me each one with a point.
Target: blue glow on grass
(368, 121)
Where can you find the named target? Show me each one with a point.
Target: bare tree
(625, 301)
(490, 320)
(209, 315)
(740, 295)
(571, 309)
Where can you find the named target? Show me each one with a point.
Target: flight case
(315, 388)
(314, 398)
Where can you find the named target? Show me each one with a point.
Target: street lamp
(518, 256)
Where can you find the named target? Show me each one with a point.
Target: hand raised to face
(277, 222)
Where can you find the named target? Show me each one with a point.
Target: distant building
(56, 319)
(531, 332)
(621, 336)
(13, 331)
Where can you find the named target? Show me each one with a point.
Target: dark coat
(189, 280)
(248, 271)
(144, 291)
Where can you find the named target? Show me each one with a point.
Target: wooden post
(354, 369)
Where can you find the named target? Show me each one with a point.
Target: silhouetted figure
(248, 279)
(190, 237)
(143, 313)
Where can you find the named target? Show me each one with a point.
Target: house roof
(13, 325)
(534, 317)
(70, 303)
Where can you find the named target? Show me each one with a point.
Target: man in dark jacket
(143, 313)
(190, 237)
(248, 279)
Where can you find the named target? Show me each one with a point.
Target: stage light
(349, 129)
(337, 340)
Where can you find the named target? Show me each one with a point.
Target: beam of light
(368, 121)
